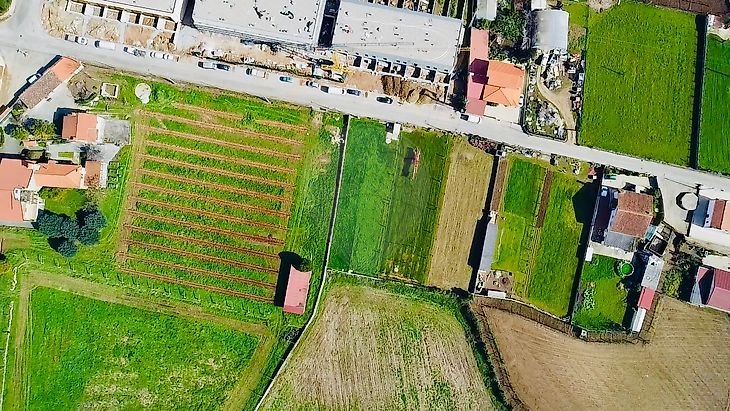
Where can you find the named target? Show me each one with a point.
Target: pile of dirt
(410, 91)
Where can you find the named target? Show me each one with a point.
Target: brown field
(370, 349)
(464, 199)
(686, 364)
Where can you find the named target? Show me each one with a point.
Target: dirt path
(501, 179)
(561, 100)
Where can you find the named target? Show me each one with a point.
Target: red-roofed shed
(646, 298)
(720, 292)
(297, 288)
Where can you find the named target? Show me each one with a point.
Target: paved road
(23, 30)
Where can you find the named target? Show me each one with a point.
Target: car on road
(471, 118)
(207, 65)
(134, 51)
(332, 90)
(162, 56)
(384, 99)
(522, 100)
(312, 84)
(256, 73)
(223, 67)
(77, 39)
(33, 78)
(106, 45)
(354, 92)
(286, 79)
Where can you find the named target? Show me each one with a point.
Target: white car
(210, 65)
(135, 51)
(77, 39)
(162, 56)
(471, 118)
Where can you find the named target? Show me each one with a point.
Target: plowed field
(685, 365)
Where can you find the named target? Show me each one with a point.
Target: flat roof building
(172, 9)
(550, 31)
(397, 36)
(297, 288)
(269, 21)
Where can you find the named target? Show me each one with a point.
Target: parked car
(77, 39)
(312, 84)
(256, 73)
(134, 51)
(207, 65)
(106, 45)
(471, 118)
(222, 67)
(286, 79)
(522, 100)
(354, 92)
(33, 78)
(384, 99)
(332, 90)
(162, 56)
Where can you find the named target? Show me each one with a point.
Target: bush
(69, 228)
(92, 217)
(42, 129)
(589, 298)
(65, 247)
(49, 223)
(19, 133)
(510, 23)
(88, 235)
(672, 282)
(305, 265)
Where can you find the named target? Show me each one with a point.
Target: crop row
(188, 215)
(239, 117)
(235, 104)
(187, 259)
(233, 210)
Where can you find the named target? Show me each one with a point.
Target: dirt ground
(370, 349)
(57, 21)
(686, 364)
(464, 199)
(137, 35)
(103, 29)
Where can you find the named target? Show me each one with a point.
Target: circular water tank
(688, 201)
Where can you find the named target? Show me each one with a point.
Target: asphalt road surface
(23, 37)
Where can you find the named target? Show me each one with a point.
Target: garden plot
(390, 201)
(714, 149)
(639, 89)
(540, 227)
(603, 308)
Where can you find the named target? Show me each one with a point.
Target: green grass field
(639, 87)
(610, 299)
(714, 151)
(544, 262)
(64, 201)
(87, 353)
(386, 217)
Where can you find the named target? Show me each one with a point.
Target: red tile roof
(717, 211)
(93, 174)
(61, 71)
(479, 47)
(80, 127)
(53, 174)
(720, 293)
(14, 174)
(504, 83)
(634, 214)
(65, 68)
(295, 300)
(646, 298)
(10, 208)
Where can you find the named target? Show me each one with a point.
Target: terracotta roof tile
(720, 294)
(10, 208)
(14, 174)
(80, 127)
(634, 214)
(58, 175)
(295, 300)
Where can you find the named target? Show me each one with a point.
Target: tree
(481, 24)
(49, 223)
(69, 228)
(510, 23)
(88, 235)
(91, 216)
(19, 133)
(42, 129)
(65, 247)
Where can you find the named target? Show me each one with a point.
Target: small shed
(550, 30)
(490, 245)
(297, 288)
(638, 320)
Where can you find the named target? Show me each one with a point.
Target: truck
(256, 73)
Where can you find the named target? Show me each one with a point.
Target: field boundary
(109, 294)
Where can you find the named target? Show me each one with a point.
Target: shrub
(305, 265)
(91, 216)
(510, 23)
(88, 235)
(589, 300)
(672, 282)
(19, 133)
(42, 129)
(69, 228)
(65, 247)
(49, 223)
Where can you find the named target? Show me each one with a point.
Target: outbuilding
(550, 30)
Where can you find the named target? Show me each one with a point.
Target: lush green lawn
(715, 123)
(386, 216)
(639, 87)
(610, 299)
(84, 353)
(64, 201)
(557, 259)
(525, 184)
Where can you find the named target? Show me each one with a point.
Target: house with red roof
(59, 73)
(712, 288)
(621, 218)
(82, 127)
(297, 289)
(490, 82)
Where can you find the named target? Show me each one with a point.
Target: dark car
(354, 92)
(224, 67)
(384, 100)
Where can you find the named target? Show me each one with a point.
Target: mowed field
(540, 226)
(685, 365)
(374, 349)
(389, 201)
(94, 347)
(464, 199)
(639, 89)
(715, 123)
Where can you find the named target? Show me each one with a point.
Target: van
(471, 118)
(332, 90)
(106, 45)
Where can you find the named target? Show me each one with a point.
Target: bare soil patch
(103, 29)
(686, 364)
(138, 36)
(464, 199)
(370, 349)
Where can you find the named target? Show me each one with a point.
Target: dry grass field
(373, 350)
(465, 194)
(686, 364)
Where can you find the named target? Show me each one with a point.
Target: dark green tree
(65, 247)
(49, 223)
(69, 228)
(510, 23)
(42, 129)
(19, 133)
(88, 235)
(91, 216)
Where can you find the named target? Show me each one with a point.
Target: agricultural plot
(390, 201)
(540, 227)
(608, 296)
(684, 365)
(633, 103)
(375, 349)
(714, 150)
(464, 199)
(77, 352)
